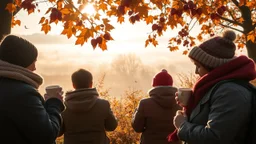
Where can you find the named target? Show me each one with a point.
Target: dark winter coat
(154, 116)
(86, 118)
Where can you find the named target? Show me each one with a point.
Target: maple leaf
(80, 41)
(142, 10)
(11, 7)
(251, 37)
(103, 7)
(120, 19)
(46, 27)
(149, 19)
(108, 27)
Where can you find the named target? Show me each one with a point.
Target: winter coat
(86, 118)
(154, 115)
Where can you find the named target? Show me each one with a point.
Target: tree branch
(231, 21)
(227, 26)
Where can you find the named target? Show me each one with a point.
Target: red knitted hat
(162, 79)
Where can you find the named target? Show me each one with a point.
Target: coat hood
(163, 95)
(81, 99)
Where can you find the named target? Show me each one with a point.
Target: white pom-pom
(230, 35)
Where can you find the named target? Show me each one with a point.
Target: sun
(89, 10)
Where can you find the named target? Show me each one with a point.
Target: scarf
(16, 72)
(241, 68)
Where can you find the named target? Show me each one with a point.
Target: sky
(59, 57)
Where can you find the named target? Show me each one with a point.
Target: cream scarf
(20, 73)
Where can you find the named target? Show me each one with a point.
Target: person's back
(154, 115)
(25, 117)
(86, 117)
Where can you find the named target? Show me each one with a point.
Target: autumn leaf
(146, 43)
(185, 52)
(49, 9)
(149, 19)
(42, 20)
(251, 37)
(173, 48)
(65, 11)
(154, 42)
(11, 7)
(103, 45)
(80, 41)
(108, 27)
(46, 27)
(143, 10)
(18, 2)
(103, 7)
(120, 19)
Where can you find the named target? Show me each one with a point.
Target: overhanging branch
(231, 21)
(227, 26)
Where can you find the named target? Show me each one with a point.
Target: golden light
(89, 10)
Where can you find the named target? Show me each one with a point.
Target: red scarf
(240, 68)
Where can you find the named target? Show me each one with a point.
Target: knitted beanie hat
(215, 51)
(162, 79)
(18, 51)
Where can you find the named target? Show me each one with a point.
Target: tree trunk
(251, 49)
(5, 18)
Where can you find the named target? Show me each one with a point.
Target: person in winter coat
(218, 115)
(87, 116)
(154, 115)
(26, 118)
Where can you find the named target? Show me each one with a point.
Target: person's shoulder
(237, 91)
(146, 100)
(102, 101)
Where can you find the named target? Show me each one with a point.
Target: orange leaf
(97, 16)
(49, 9)
(65, 11)
(80, 40)
(173, 48)
(146, 43)
(42, 20)
(120, 19)
(185, 52)
(103, 7)
(11, 7)
(103, 45)
(251, 37)
(108, 27)
(18, 22)
(46, 27)
(18, 2)
(154, 42)
(149, 19)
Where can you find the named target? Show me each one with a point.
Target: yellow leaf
(42, 20)
(11, 7)
(120, 19)
(149, 19)
(65, 11)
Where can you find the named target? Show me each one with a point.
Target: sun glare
(89, 9)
